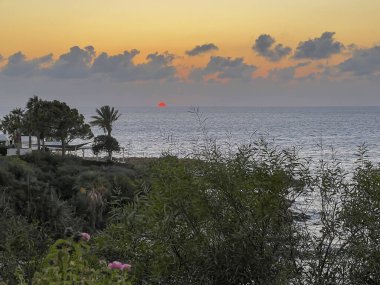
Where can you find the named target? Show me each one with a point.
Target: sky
(191, 53)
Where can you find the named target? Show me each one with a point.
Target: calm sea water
(144, 131)
(150, 131)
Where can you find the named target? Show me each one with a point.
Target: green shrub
(3, 150)
(361, 218)
(70, 261)
(222, 221)
(21, 246)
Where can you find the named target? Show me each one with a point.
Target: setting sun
(161, 105)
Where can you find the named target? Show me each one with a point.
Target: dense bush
(22, 243)
(361, 224)
(235, 219)
(70, 261)
(225, 221)
(43, 194)
(217, 218)
(3, 150)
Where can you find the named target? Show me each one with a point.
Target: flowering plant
(70, 261)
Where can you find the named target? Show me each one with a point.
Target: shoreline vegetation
(217, 217)
(57, 122)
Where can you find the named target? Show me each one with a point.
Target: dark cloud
(74, 64)
(105, 63)
(18, 65)
(1, 58)
(264, 47)
(83, 63)
(201, 49)
(225, 68)
(159, 66)
(363, 62)
(121, 66)
(318, 48)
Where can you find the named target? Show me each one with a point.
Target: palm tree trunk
(18, 142)
(63, 147)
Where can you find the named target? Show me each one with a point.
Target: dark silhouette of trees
(13, 125)
(46, 119)
(105, 143)
(39, 119)
(67, 124)
(104, 119)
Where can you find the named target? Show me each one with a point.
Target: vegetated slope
(43, 194)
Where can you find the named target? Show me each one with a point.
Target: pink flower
(85, 236)
(119, 265)
(115, 265)
(126, 266)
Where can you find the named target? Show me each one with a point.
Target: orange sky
(38, 27)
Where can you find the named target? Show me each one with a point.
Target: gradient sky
(209, 52)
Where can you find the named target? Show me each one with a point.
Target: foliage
(226, 221)
(12, 124)
(323, 258)
(21, 243)
(59, 191)
(93, 188)
(105, 118)
(361, 212)
(70, 261)
(344, 247)
(105, 143)
(231, 219)
(46, 119)
(68, 124)
(3, 150)
(38, 118)
(40, 196)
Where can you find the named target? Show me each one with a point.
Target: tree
(37, 119)
(67, 124)
(105, 143)
(13, 125)
(105, 118)
(54, 119)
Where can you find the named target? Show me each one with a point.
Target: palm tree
(13, 125)
(30, 118)
(94, 188)
(105, 118)
(39, 117)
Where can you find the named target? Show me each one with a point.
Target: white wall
(23, 151)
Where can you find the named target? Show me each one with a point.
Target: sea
(315, 132)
